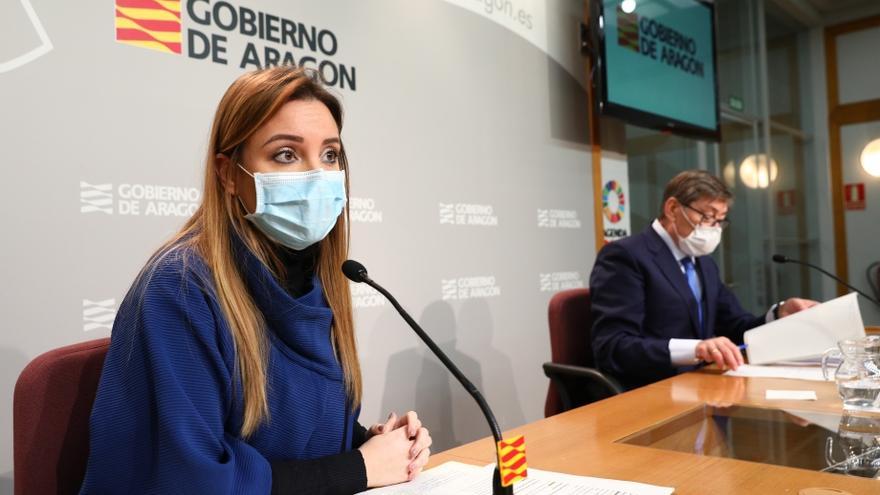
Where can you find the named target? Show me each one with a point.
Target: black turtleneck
(299, 267)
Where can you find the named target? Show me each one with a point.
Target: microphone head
(778, 258)
(354, 271)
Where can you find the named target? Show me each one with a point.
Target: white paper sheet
(790, 395)
(830, 422)
(793, 372)
(455, 478)
(807, 333)
(810, 361)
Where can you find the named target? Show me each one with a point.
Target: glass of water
(858, 374)
(858, 438)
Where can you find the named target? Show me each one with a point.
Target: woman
(232, 366)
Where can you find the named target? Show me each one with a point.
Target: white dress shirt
(683, 352)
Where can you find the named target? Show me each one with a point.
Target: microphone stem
(841, 282)
(498, 487)
(471, 389)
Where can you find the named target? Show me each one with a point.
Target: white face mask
(297, 209)
(701, 241)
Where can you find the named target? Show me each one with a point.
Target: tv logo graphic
(98, 315)
(658, 41)
(628, 30)
(95, 198)
(469, 288)
(467, 214)
(152, 24)
(139, 200)
(363, 210)
(11, 16)
(558, 219)
(557, 281)
(364, 296)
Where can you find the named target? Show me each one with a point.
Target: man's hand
(720, 350)
(795, 304)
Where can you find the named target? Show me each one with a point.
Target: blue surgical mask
(297, 209)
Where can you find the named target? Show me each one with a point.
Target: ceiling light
(754, 173)
(870, 158)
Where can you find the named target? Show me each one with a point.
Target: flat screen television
(656, 64)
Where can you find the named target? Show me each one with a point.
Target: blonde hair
(248, 103)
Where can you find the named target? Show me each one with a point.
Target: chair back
(571, 325)
(876, 279)
(52, 403)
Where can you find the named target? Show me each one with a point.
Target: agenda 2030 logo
(216, 31)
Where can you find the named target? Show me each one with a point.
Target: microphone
(356, 272)
(778, 258)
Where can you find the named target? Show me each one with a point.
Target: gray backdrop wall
(466, 128)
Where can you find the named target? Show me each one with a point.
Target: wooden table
(583, 441)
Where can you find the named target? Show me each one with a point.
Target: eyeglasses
(708, 221)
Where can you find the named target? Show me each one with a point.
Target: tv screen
(657, 64)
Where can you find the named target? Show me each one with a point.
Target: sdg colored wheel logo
(616, 214)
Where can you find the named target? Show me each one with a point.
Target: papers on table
(806, 333)
(813, 361)
(791, 395)
(798, 341)
(455, 478)
(793, 372)
(830, 422)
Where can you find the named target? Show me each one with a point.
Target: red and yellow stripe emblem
(512, 460)
(627, 30)
(153, 24)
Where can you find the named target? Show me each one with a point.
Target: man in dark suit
(659, 305)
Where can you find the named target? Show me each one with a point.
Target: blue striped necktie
(691, 273)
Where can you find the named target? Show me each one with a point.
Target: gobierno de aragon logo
(660, 42)
(200, 30)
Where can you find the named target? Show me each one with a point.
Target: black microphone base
(497, 489)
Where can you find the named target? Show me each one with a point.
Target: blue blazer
(641, 299)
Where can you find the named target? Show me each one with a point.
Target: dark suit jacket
(641, 299)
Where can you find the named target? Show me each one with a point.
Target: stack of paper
(455, 478)
(793, 372)
(795, 344)
(806, 334)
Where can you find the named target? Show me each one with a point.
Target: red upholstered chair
(51, 407)
(573, 379)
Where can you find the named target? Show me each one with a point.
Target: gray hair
(692, 185)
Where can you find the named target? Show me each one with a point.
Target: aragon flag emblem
(153, 24)
(512, 460)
